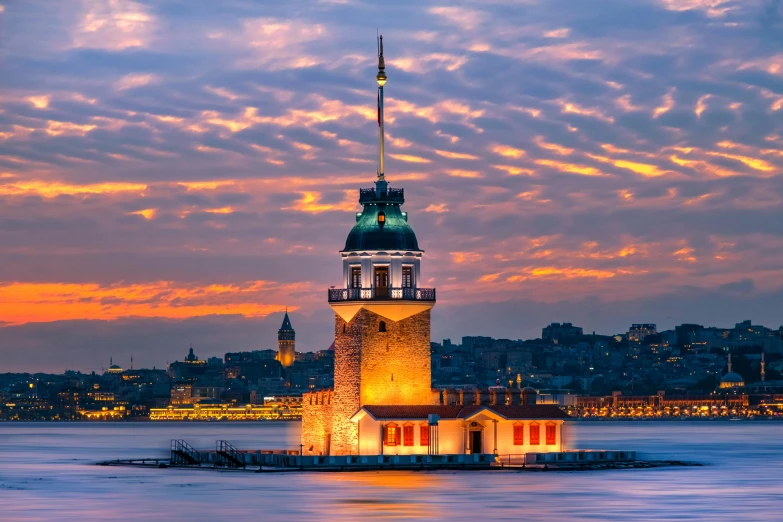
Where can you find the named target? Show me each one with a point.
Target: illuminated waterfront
(46, 473)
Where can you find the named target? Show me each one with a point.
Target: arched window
(343, 327)
(381, 217)
(382, 326)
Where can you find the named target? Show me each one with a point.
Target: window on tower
(356, 277)
(381, 217)
(382, 326)
(407, 277)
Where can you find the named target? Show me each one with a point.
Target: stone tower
(382, 315)
(286, 343)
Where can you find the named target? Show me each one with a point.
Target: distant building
(638, 332)
(476, 345)
(731, 379)
(113, 368)
(557, 332)
(286, 343)
(181, 394)
(233, 358)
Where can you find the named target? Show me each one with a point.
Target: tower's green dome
(389, 232)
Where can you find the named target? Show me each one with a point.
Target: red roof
(535, 411)
(413, 412)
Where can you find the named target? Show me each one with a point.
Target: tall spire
(729, 362)
(763, 373)
(381, 79)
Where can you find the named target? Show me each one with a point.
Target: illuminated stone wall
(370, 367)
(316, 421)
(347, 384)
(395, 364)
(375, 367)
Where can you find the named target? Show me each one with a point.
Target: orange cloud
(754, 163)
(131, 81)
(668, 104)
(464, 173)
(39, 102)
(409, 159)
(114, 26)
(554, 147)
(455, 155)
(57, 128)
(438, 209)
(53, 189)
(514, 171)
(465, 257)
(222, 210)
(558, 33)
(551, 272)
(311, 202)
(644, 169)
(42, 302)
(147, 213)
(573, 108)
(701, 105)
(583, 170)
(508, 152)
(685, 254)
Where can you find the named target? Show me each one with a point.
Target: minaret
(729, 363)
(286, 343)
(763, 373)
(382, 317)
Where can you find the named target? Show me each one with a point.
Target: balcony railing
(392, 195)
(381, 294)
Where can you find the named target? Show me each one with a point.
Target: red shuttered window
(407, 435)
(519, 434)
(424, 435)
(551, 434)
(535, 434)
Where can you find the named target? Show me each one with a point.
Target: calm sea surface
(47, 472)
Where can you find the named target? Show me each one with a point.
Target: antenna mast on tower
(381, 79)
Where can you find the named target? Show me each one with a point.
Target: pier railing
(183, 454)
(381, 294)
(228, 456)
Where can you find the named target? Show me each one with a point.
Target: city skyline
(125, 360)
(559, 169)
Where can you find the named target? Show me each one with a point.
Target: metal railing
(381, 294)
(183, 454)
(228, 456)
(391, 195)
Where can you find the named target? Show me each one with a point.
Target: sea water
(48, 472)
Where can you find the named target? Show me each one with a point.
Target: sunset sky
(177, 172)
